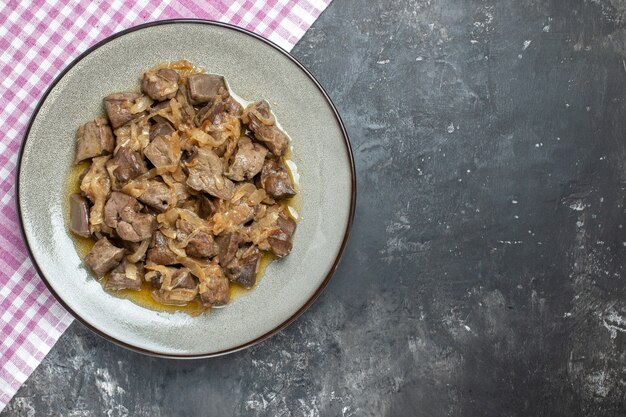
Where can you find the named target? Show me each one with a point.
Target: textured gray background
(485, 271)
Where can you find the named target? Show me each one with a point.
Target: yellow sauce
(142, 297)
(83, 244)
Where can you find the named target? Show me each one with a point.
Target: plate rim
(346, 234)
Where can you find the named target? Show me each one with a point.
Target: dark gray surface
(485, 271)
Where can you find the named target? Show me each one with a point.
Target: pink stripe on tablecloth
(254, 15)
(37, 40)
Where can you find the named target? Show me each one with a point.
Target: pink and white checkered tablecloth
(38, 38)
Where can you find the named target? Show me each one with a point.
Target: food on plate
(186, 189)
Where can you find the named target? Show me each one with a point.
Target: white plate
(255, 69)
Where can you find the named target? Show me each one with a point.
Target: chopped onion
(253, 109)
(183, 67)
(178, 251)
(192, 218)
(157, 267)
(204, 139)
(167, 179)
(168, 232)
(143, 103)
(179, 175)
(96, 184)
(260, 212)
(139, 253)
(256, 197)
(135, 188)
(143, 138)
(176, 114)
(175, 297)
(110, 169)
(130, 270)
(243, 191)
(183, 243)
(136, 136)
(123, 131)
(148, 276)
(195, 267)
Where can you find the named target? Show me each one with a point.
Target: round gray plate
(255, 69)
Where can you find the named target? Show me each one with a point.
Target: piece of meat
(163, 150)
(159, 252)
(121, 212)
(201, 244)
(272, 232)
(182, 192)
(117, 204)
(204, 86)
(121, 207)
(231, 217)
(136, 250)
(134, 136)
(209, 112)
(244, 267)
(175, 286)
(79, 215)
(226, 131)
(169, 278)
(137, 228)
(261, 122)
(207, 207)
(275, 180)
(152, 193)
(170, 111)
(155, 277)
(130, 247)
(183, 279)
(96, 185)
(248, 160)
(280, 242)
(94, 138)
(231, 106)
(126, 276)
(222, 122)
(161, 84)
(270, 136)
(125, 165)
(261, 109)
(156, 195)
(188, 113)
(227, 244)
(177, 182)
(206, 173)
(103, 257)
(218, 109)
(158, 108)
(118, 108)
(162, 128)
(214, 289)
